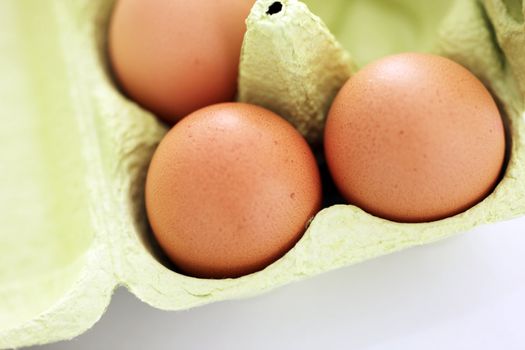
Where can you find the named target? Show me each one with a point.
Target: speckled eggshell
(413, 138)
(231, 189)
(173, 56)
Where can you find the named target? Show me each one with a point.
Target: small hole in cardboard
(274, 8)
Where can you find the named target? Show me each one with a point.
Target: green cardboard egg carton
(75, 150)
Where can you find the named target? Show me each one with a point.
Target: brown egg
(414, 137)
(173, 56)
(230, 189)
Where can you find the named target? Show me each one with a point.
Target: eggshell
(173, 56)
(230, 189)
(414, 137)
(60, 91)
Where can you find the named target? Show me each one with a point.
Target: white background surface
(466, 292)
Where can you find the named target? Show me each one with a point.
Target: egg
(173, 56)
(413, 138)
(230, 189)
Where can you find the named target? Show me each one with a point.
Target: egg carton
(75, 150)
